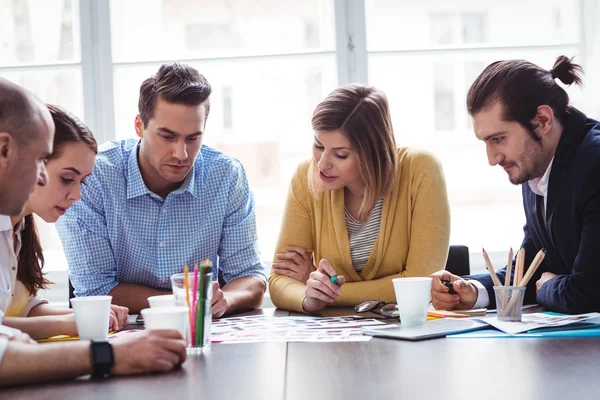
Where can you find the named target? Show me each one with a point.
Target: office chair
(458, 260)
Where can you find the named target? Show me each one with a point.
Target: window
(227, 108)
(40, 50)
(441, 29)
(474, 27)
(443, 82)
(269, 64)
(426, 55)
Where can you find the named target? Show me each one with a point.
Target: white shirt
(538, 186)
(15, 299)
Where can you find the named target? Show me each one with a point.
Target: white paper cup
(167, 300)
(91, 316)
(166, 318)
(412, 296)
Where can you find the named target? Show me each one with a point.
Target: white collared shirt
(15, 299)
(539, 186)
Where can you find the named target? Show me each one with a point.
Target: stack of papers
(534, 321)
(546, 324)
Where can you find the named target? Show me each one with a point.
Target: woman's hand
(119, 317)
(320, 291)
(297, 264)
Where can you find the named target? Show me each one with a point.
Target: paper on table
(538, 333)
(259, 328)
(540, 320)
(525, 307)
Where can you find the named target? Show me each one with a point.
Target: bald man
(26, 136)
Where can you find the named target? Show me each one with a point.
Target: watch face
(102, 358)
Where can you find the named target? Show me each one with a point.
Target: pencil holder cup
(197, 292)
(509, 302)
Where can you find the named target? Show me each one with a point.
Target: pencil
(539, 257)
(517, 263)
(186, 286)
(200, 314)
(491, 268)
(509, 267)
(521, 267)
(194, 299)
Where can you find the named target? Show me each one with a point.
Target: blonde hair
(362, 114)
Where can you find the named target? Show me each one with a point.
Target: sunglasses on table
(387, 310)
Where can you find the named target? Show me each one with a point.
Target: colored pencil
(509, 268)
(491, 268)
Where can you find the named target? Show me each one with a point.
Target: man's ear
(543, 120)
(139, 126)
(7, 147)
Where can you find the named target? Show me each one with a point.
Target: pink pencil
(194, 300)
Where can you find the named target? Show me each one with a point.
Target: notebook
(427, 330)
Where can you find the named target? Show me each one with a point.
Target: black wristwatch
(102, 358)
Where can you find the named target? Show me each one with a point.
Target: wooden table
(506, 369)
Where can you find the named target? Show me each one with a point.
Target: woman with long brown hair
(71, 161)
(364, 209)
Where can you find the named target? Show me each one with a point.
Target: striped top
(363, 235)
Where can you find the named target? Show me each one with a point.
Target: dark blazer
(571, 234)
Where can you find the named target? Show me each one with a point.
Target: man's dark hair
(173, 83)
(521, 87)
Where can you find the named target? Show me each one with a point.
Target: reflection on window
(194, 29)
(38, 31)
(441, 30)
(210, 36)
(472, 69)
(474, 28)
(444, 96)
(227, 108)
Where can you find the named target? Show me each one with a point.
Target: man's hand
(148, 351)
(119, 317)
(441, 298)
(220, 304)
(22, 338)
(546, 276)
(296, 264)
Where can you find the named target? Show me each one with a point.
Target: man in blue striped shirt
(156, 203)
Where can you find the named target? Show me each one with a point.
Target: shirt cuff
(483, 299)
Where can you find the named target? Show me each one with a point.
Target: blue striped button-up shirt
(121, 232)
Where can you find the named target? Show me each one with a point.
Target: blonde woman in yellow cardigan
(367, 210)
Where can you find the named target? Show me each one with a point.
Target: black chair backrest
(458, 260)
(71, 292)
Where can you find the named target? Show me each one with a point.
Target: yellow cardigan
(412, 241)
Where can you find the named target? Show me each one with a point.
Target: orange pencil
(186, 285)
(521, 268)
(490, 268)
(509, 267)
(533, 267)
